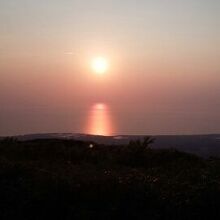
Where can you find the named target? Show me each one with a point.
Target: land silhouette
(73, 179)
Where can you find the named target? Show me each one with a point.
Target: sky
(163, 76)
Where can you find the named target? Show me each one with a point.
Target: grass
(66, 179)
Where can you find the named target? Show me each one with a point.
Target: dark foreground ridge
(203, 145)
(68, 179)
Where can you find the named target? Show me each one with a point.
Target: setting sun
(100, 65)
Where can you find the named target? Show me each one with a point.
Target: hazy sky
(164, 59)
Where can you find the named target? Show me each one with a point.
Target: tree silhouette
(141, 146)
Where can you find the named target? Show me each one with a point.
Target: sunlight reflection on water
(99, 120)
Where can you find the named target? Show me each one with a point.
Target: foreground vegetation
(66, 179)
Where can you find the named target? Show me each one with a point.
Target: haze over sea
(110, 67)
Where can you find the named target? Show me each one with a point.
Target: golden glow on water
(99, 122)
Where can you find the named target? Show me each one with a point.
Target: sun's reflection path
(99, 120)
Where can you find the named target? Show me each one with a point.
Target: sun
(100, 65)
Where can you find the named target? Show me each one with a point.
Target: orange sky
(163, 75)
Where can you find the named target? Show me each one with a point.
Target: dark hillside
(68, 179)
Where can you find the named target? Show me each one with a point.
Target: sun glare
(100, 65)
